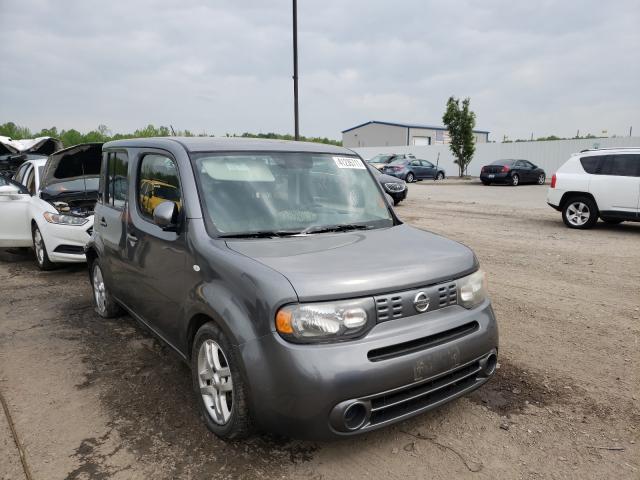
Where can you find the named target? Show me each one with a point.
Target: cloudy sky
(544, 67)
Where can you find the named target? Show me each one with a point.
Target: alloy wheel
(515, 180)
(38, 245)
(541, 179)
(410, 177)
(578, 214)
(214, 379)
(99, 291)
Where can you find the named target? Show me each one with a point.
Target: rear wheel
(410, 177)
(515, 180)
(42, 257)
(220, 388)
(580, 212)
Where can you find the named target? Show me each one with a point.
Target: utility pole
(295, 69)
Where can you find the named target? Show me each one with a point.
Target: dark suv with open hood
(261, 265)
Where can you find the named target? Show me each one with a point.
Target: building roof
(405, 125)
(229, 144)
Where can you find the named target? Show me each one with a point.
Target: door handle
(132, 238)
(103, 222)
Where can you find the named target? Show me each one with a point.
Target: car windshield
(381, 159)
(75, 185)
(288, 193)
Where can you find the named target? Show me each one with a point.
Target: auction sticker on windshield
(349, 162)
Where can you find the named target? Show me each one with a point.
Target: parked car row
(407, 167)
(258, 262)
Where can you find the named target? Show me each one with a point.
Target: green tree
(460, 121)
(14, 131)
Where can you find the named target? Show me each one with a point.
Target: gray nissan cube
(262, 263)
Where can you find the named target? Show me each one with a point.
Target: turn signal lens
(283, 322)
(553, 181)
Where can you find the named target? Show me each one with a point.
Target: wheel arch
(566, 196)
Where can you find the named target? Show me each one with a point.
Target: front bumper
(65, 243)
(398, 196)
(303, 391)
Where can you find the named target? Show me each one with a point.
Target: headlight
(322, 321)
(64, 219)
(472, 289)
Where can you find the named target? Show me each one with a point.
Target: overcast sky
(544, 67)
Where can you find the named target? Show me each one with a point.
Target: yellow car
(154, 192)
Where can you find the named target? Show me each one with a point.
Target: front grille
(73, 249)
(395, 187)
(413, 398)
(405, 348)
(447, 295)
(402, 304)
(389, 307)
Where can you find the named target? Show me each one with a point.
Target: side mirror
(9, 186)
(165, 215)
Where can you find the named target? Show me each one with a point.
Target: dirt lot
(102, 399)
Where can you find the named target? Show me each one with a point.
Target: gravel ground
(102, 399)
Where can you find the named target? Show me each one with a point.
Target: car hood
(345, 265)
(384, 178)
(77, 162)
(36, 146)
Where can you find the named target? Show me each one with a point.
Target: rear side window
(157, 182)
(621, 165)
(615, 165)
(117, 180)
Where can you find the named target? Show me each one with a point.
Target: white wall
(548, 155)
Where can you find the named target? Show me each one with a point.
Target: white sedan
(49, 205)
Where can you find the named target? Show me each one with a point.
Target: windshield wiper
(260, 234)
(335, 228)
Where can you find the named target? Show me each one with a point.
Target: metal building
(390, 134)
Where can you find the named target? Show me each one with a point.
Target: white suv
(601, 183)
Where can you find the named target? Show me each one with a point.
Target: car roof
(228, 144)
(600, 151)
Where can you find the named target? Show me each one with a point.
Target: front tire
(410, 178)
(440, 176)
(580, 213)
(515, 180)
(220, 389)
(541, 179)
(42, 257)
(106, 306)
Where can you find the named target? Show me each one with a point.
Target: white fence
(548, 155)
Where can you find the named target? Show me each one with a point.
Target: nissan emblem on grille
(421, 302)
